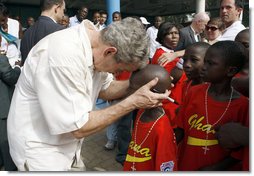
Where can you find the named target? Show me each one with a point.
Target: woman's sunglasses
(212, 28)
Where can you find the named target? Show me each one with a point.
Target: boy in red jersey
(168, 36)
(193, 64)
(234, 135)
(153, 146)
(209, 105)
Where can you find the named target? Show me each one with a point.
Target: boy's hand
(232, 135)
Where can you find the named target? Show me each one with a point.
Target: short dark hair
(82, 7)
(103, 12)
(238, 3)
(233, 53)
(116, 12)
(163, 30)
(48, 4)
(3, 10)
(202, 46)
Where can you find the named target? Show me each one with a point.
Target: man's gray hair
(201, 16)
(130, 38)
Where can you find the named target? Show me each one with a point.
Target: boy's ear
(110, 51)
(232, 71)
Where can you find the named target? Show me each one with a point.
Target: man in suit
(191, 33)
(47, 23)
(8, 79)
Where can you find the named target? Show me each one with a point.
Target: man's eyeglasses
(212, 28)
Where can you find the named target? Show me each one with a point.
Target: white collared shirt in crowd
(74, 21)
(231, 31)
(152, 33)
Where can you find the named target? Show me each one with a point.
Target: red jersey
(158, 151)
(192, 118)
(245, 163)
(176, 94)
(158, 53)
(176, 91)
(123, 75)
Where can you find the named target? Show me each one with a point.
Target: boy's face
(244, 39)
(214, 69)
(116, 17)
(193, 62)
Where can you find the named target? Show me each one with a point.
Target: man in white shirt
(103, 19)
(53, 106)
(82, 13)
(152, 33)
(230, 11)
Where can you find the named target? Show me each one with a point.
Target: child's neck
(152, 114)
(222, 91)
(196, 81)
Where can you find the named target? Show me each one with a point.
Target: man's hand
(145, 98)
(232, 135)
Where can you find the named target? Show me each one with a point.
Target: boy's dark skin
(193, 63)
(141, 77)
(220, 66)
(226, 134)
(241, 84)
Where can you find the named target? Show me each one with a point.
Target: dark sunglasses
(211, 27)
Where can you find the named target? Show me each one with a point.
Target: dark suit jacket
(186, 38)
(8, 79)
(41, 28)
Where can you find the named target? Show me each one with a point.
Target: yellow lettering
(199, 124)
(196, 122)
(191, 121)
(137, 148)
(145, 151)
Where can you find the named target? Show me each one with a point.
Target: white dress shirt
(152, 33)
(74, 21)
(57, 89)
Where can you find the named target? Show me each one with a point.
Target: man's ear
(232, 71)
(109, 51)
(240, 10)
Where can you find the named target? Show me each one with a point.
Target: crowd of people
(172, 98)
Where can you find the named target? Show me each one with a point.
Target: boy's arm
(223, 165)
